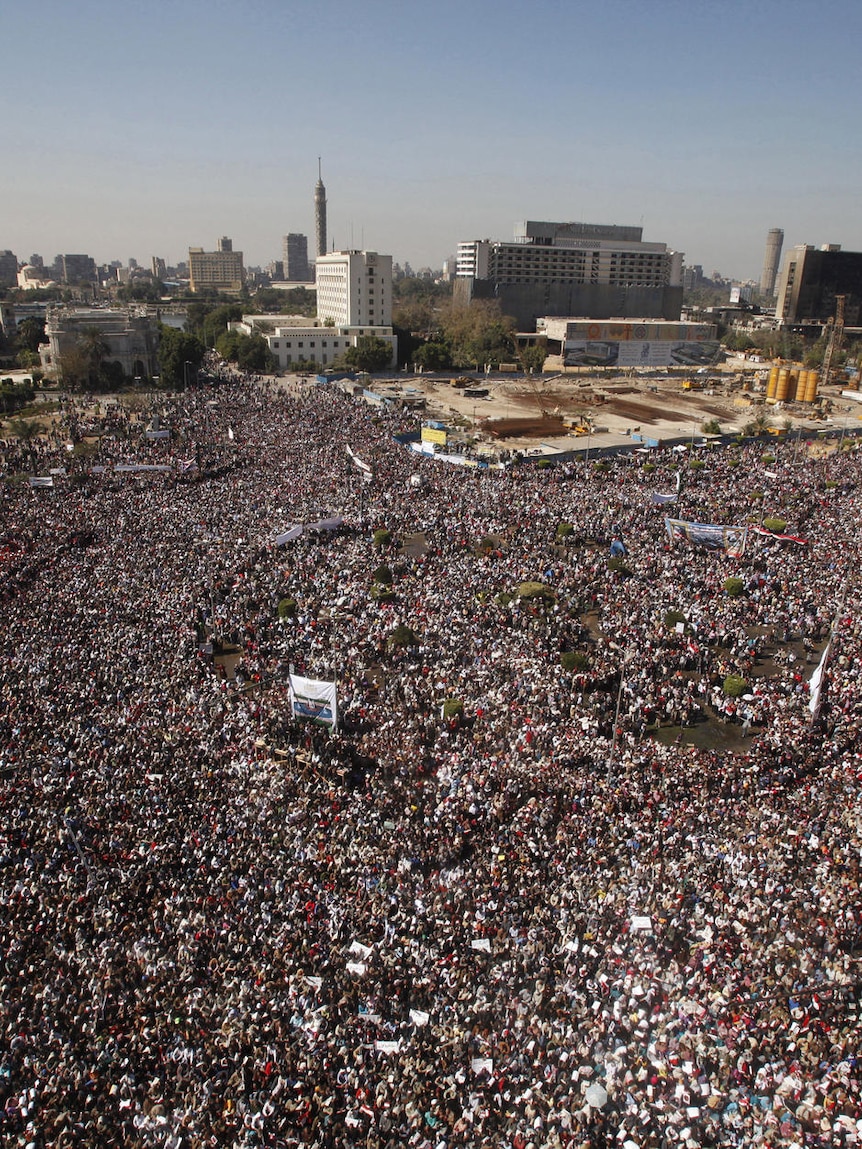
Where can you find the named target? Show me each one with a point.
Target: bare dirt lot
(614, 407)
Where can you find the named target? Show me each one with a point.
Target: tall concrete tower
(320, 213)
(771, 261)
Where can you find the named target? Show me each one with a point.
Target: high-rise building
(603, 271)
(8, 268)
(320, 214)
(354, 289)
(295, 258)
(76, 268)
(810, 280)
(771, 261)
(220, 270)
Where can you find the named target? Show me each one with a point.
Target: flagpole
(820, 669)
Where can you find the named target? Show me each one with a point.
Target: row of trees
(787, 345)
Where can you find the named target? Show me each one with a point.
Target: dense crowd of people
(502, 905)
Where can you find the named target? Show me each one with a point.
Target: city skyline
(147, 130)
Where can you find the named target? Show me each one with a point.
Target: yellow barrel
(793, 383)
(773, 383)
(813, 383)
(802, 387)
(783, 385)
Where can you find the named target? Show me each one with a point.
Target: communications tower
(320, 213)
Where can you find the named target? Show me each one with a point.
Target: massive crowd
(533, 924)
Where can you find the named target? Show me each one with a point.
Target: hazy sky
(140, 127)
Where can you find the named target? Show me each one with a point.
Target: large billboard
(648, 344)
(623, 331)
(640, 353)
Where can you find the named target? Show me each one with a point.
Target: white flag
(815, 686)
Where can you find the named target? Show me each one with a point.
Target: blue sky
(140, 127)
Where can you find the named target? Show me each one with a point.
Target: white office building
(294, 342)
(354, 289)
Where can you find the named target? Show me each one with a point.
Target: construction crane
(836, 338)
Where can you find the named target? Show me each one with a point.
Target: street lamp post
(613, 750)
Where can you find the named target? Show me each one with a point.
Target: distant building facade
(295, 342)
(8, 322)
(596, 270)
(220, 270)
(132, 339)
(294, 248)
(75, 269)
(810, 280)
(771, 261)
(354, 289)
(8, 269)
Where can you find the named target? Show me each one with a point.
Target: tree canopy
(297, 301)
(250, 352)
(370, 354)
(478, 334)
(31, 333)
(176, 349)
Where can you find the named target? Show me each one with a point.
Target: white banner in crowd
(315, 700)
(330, 524)
(41, 480)
(359, 463)
(133, 468)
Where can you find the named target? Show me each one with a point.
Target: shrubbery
(381, 537)
(672, 617)
(535, 592)
(453, 708)
(733, 686)
(402, 636)
(287, 607)
(733, 587)
(775, 524)
(574, 660)
(618, 564)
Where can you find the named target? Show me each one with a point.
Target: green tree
(369, 354)
(433, 356)
(73, 368)
(31, 334)
(143, 288)
(478, 334)
(533, 358)
(250, 352)
(180, 356)
(25, 430)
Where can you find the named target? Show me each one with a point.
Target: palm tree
(95, 348)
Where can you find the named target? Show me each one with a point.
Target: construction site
(574, 409)
(566, 412)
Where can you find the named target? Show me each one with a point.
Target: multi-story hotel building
(596, 270)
